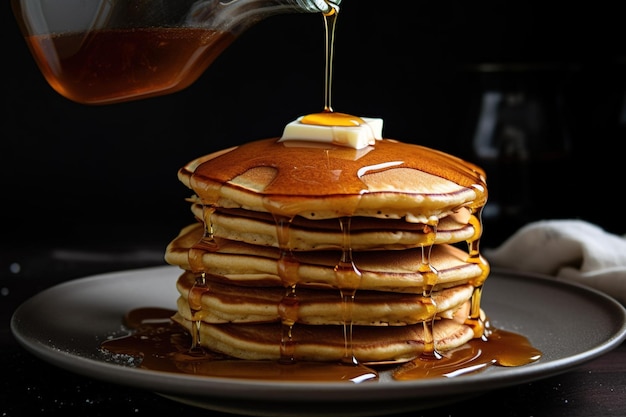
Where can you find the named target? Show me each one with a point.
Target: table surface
(33, 387)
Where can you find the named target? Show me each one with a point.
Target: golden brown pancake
(397, 270)
(224, 302)
(389, 180)
(366, 233)
(371, 344)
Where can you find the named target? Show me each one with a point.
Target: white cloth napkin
(569, 250)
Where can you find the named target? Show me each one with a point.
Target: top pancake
(389, 180)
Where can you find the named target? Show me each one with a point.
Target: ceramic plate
(65, 324)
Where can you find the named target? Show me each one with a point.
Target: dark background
(105, 176)
(84, 190)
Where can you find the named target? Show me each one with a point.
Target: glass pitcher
(109, 51)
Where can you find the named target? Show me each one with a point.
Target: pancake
(397, 271)
(370, 344)
(366, 233)
(224, 303)
(389, 180)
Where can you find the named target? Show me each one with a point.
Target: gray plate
(65, 324)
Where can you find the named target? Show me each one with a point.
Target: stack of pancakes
(316, 252)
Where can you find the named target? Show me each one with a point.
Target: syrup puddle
(502, 348)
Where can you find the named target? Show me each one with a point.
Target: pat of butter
(357, 137)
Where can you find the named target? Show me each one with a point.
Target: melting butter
(355, 135)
